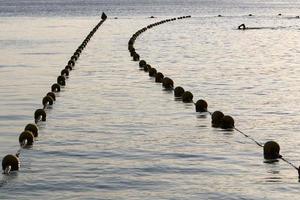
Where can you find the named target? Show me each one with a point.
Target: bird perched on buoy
(103, 16)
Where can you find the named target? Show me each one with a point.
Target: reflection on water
(115, 134)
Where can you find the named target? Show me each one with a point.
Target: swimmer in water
(242, 27)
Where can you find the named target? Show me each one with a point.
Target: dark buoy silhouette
(52, 94)
(167, 83)
(71, 63)
(103, 16)
(152, 72)
(187, 97)
(68, 67)
(26, 138)
(40, 114)
(271, 150)
(64, 72)
(61, 80)
(227, 122)
(242, 27)
(55, 87)
(136, 57)
(178, 91)
(10, 163)
(142, 63)
(159, 77)
(216, 119)
(201, 106)
(47, 100)
(147, 67)
(33, 129)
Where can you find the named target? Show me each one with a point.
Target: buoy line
(271, 149)
(11, 162)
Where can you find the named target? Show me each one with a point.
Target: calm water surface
(115, 134)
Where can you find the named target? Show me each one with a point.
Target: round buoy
(142, 63)
(271, 150)
(136, 57)
(178, 91)
(61, 80)
(159, 77)
(201, 106)
(11, 161)
(52, 94)
(26, 136)
(71, 63)
(187, 97)
(167, 83)
(47, 100)
(147, 67)
(216, 119)
(64, 72)
(40, 114)
(33, 129)
(227, 122)
(55, 87)
(152, 72)
(68, 67)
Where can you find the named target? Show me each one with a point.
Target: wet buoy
(216, 119)
(227, 122)
(136, 57)
(64, 72)
(26, 138)
(142, 63)
(68, 67)
(147, 67)
(10, 163)
(271, 150)
(71, 63)
(167, 83)
(201, 106)
(61, 80)
(178, 91)
(33, 129)
(40, 114)
(187, 97)
(152, 72)
(55, 87)
(103, 16)
(47, 100)
(52, 94)
(159, 77)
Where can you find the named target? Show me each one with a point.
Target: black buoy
(159, 77)
(33, 129)
(26, 138)
(103, 16)
(47, 100)
(201, 106)
(216, 119)
(68, 67)
(178, 91)
(64, 72)
(52, 94)
(187, 97)
(147, 67)
(152, 72)
(55, 87)
(271, 150)
(71, 63)
(136, 57)
(61, 80)
(227, 122)
(142, 63)
(10, 163)
(40, 114)
(167, 83)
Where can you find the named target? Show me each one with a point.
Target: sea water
(114, 133)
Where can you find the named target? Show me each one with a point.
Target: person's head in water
(242, 27)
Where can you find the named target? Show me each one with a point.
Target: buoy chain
(219, 120)
(11, 162)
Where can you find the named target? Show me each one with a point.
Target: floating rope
(271, 149)
(12, 162)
